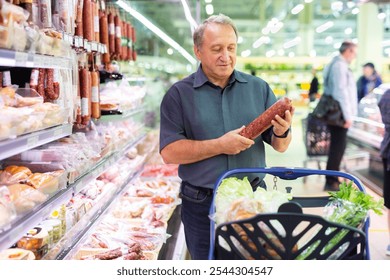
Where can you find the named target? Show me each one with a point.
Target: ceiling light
(188, 16)
(240, 40)
(246, 53)
(324, 26)
(297, 9)
(381, 14)
(350, 4)
(329, 39)
(291, 54)
(156, 30)
(292, 43)
(262, 40)
(265, 30)
(277, 27)
(209, 9)
(170, 51)
(355, 40)
(281, 52)
(270, 53)
(348, 30)
(308, 1)
(208, 1)
(355, 11)
(313, 53)
(337, 45)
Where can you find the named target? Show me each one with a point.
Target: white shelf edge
(31, 140)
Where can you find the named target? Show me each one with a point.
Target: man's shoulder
(250, 77)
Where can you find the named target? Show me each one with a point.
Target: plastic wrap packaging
(61, 15)
(25, 198)
(79, 18)
(7, 209)
(45, 13)
(36, 240)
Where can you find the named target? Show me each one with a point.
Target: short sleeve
(171, 119)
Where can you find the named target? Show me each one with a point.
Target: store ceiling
(251, 16)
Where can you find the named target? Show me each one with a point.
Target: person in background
(201, 118)
(314, 86)
(340, 84)
(368, 81)
(384, 107)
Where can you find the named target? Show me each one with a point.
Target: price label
(58, 132)
(21, 59)
(32, 141)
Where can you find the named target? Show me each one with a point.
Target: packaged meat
(7, 210)
(36, 240)
(45, 13)
(25, 197)
(17, 254)
(263, 122)
(34, 79)
(79, 18)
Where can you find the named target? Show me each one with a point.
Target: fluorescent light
(170, 51)
(265, 30)
(329, 39)
(355, 41)
(324, 26)
(291, 54)
(246, 53)
(308, 1)
(292, 43)
(348, 30)
(355, 11)
(262, 40)
(313, 53)
(270, 53)
(157, 31)
(337, 45)
(277, 27)
(297, 9)
(381, 15)
(188, 15)
(280, 52)
(240, 40)
(208, 1)
(209, 9)
(350, 4)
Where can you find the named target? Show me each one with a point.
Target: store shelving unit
(121, 116)
(26, 142)
(10, 58)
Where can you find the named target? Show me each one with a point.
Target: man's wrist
(284, 135)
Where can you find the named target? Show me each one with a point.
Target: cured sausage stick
(263, 122)
(95, 98)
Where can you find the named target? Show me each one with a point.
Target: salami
(95, 98)
(263, 122)
(41, 82)
(49, 88)
(56, 84)
(96, 25)
(118, 36)
(79, 18)
(88, 21)
(111, 34)
(84, 95)
(104, 37)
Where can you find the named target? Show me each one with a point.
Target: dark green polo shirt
(196, 109)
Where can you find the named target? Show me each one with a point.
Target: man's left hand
(281, 125)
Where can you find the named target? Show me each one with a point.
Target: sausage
(124, 41)
(49, 89)
(111, 34)
(95, 98)
(56, 84)
(41, 82)
(129, 50)
(263, 122)
(79, 18)
(118, 36)
(96, 27)
(84, 95)
(34, 79)
(78, 100)
(104, 37)
(87, 21)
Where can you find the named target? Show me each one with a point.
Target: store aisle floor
(295, 156)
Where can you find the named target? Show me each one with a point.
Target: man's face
(351, 54)
(218, 52)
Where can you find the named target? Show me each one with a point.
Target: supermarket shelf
(21, 59)
(15, 230)
(77, 236)
(103, 165)
(365, 137)
(26, 142)
(120, 117)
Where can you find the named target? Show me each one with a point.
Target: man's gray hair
(220, 19)
(346, 45)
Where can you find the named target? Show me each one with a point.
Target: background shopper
(340, 83)
(201, 117)
(368, 81)
(314, 86)
(384, 106)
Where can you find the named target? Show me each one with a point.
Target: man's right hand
(347, 123)
(233, 143)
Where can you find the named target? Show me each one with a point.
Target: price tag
(21, 59)
(32, 141)
(58, 132)
(94, 46)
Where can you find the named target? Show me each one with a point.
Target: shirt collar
(201, 79)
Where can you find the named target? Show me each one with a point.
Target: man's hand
(233, 143)
(282, 125)
(347, 123)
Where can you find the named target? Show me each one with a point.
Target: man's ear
(197, 52)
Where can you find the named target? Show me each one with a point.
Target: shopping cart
(288, 227)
